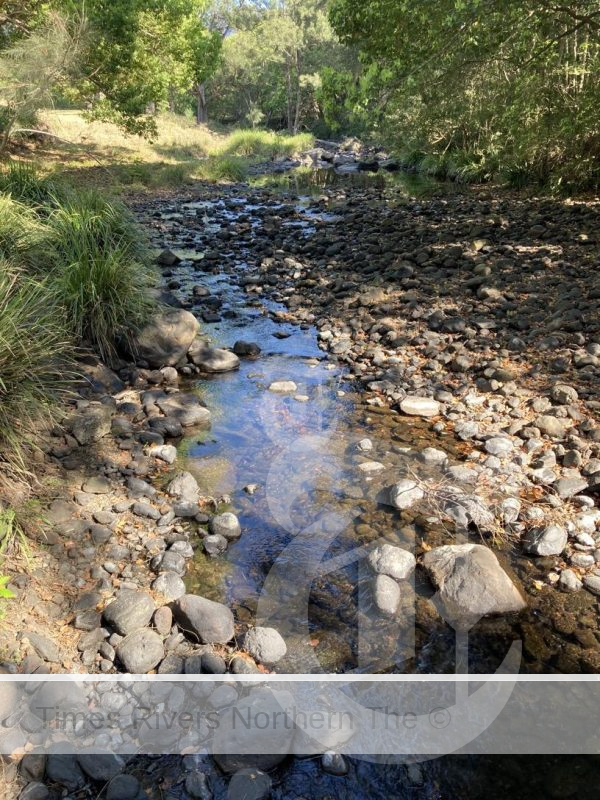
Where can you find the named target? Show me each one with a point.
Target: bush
(35, 353)
(100, 270)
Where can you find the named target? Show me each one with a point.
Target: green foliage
(35, 352)
(223, 168)
(5, 592)
(140, 54)
(485, 87)
(100, 274)
(272, 61)
(265, 144)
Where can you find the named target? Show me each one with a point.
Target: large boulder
(129, 612)
(141, 651)
(165, 340)
(203, 619)
(212, 359)
(471, 583)
(265, 645)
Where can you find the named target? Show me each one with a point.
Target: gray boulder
(92, 424)
(141, 651)
(165, 340)
(226, 525)
(265, 645)
(212, 359)
(405, 494)
(100, 766)
(129, 612)
(203, 619)
(237, 746)
(420, 407)
(392, 561)
(471, 583)
(246, 349)
(549, 541)
(185, 487)
(386, 594)
(185, 408)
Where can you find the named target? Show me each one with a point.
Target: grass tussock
(265, 144)
(35, 355)
(74, 272)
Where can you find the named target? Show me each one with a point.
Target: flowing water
(290, 466)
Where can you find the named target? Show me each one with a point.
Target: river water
(289, 465)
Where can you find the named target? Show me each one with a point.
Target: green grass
(22, 181)
(21, 232)
(264, 144)
(35, 356)
(223, 168)
(101, 273)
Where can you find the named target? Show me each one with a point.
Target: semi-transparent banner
(369, 717)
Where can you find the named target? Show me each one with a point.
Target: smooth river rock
(212, 359)
(203, 619)
(420, 407)
(167, 338)
(471, 583)
(129, 612)
(265, 645)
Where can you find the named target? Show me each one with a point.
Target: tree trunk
(201, 106)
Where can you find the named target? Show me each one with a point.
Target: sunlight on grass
(180, 153)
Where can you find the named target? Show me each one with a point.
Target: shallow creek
(289, 465)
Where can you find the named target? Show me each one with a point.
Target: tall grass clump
(35, 358)
(223, 168)
(265, 144)
(23, 183)
(101, 273)
(21, 232)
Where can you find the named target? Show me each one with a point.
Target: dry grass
(181, 153)
(178, 139)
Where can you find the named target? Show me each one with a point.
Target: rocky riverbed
(440, 355)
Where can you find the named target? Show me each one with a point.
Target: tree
(273, 54)
(31, 69)
(504, 81)
(139, 51)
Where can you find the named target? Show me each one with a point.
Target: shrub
(35, 354)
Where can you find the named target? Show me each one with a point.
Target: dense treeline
(470, 89)
(485, 86)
